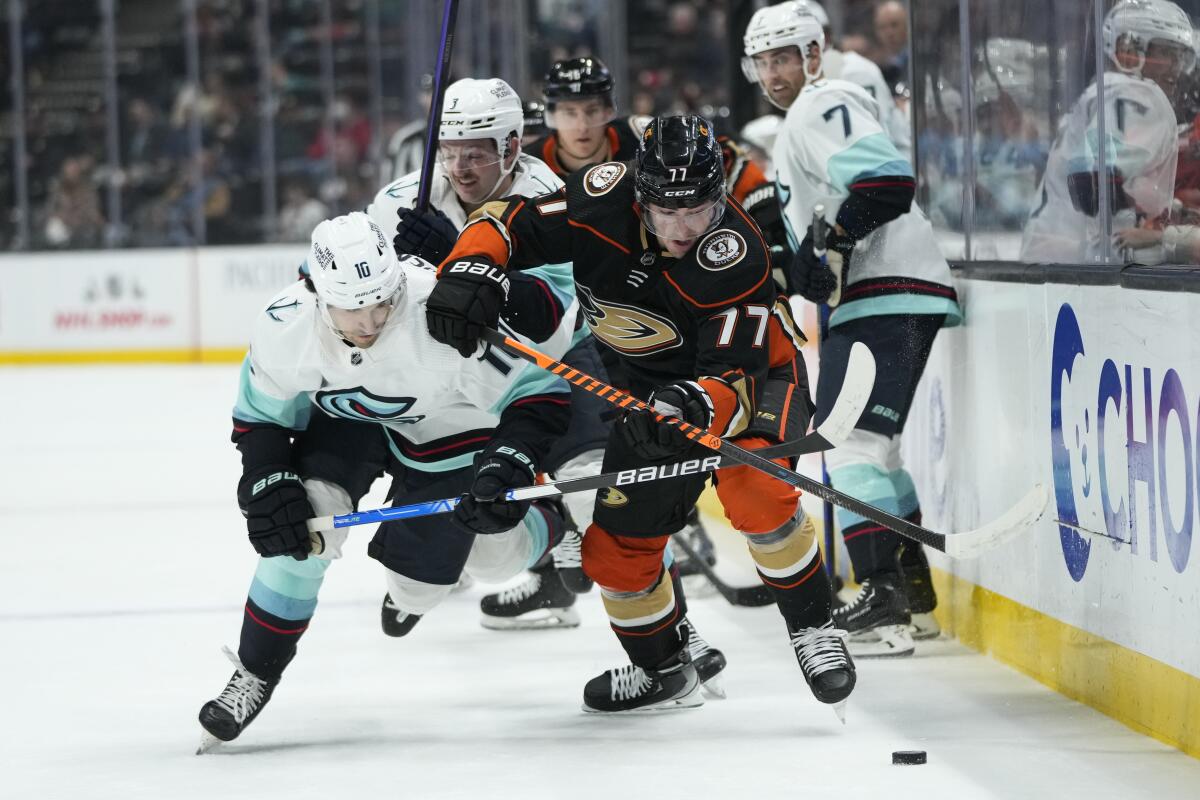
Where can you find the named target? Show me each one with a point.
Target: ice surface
(126, 566)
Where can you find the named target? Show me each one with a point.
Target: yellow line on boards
(50, 357)
(1147, 695)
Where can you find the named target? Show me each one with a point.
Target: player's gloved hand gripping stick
(966, 544)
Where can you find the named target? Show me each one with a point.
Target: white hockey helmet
(815, 9)
(353, 267)
(781, 25)
(485, 108)
(761, 132)
(1145, 21)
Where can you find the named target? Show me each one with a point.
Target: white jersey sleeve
(1142, 145)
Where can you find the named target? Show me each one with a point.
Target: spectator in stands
(891, 31)
(73, 216)
(301, 211)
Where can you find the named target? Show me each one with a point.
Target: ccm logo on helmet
(679, 192)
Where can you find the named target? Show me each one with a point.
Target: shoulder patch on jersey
(721, 249)
(603, 177)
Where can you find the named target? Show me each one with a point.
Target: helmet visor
(468, 156)
(580, 115)
(361, 326)
(683, 224)
(1171, 57)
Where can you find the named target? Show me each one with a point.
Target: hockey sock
(872, 547)
(546, 528)
(647, 622)
(789, 564)
(282, 600)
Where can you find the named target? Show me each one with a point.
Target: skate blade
(534, 620)
(208, 743)
(714, 687)
(885, 641)
(840, 710)
(924, 627)
(693, 699)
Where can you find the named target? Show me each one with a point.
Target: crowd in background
(192, 161)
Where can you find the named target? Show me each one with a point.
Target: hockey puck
(908, 757)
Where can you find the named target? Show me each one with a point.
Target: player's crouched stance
(343, 382)
(674, 277)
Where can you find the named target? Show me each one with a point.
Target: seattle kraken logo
(359, 404)
(279, 306)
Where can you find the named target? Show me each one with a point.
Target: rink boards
(166, 305)
(1095, 391)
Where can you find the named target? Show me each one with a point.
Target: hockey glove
(468, 297)
(500, 466)
(814, 281)
(276, 508)
(658, 441)
(429, 234)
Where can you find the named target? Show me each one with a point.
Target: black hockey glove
(429, 234)
(812, 280)
(468, 297)
(500, 466)
(657, 441)
(276, 508)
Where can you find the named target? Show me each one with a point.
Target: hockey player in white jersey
(890, 289)
(850, 66)
(479, 160)
(343, 382)
(1148, 44)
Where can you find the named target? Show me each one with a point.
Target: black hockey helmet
(577, 78)
(679, 163)
(535, 119)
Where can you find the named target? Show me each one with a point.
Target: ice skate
(226, 716)
(632, 690)
(826, 663)
(918, 588)
(395, 621)
(709, 663)
(541, 601)
(877, 619)
(568, 560)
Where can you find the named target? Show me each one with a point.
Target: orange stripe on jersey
(719, 303)
(751, 178)
(597, 233)
(482, 239)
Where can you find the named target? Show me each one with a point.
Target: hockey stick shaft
(753, 596)
(738, 454)
(440, 75)
(829, 533)
(812, 443)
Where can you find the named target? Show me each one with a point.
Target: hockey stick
(445, 48)
(856, 388)
(830, 534)
(956, 545)
(753, 596)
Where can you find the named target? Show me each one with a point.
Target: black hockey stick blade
(752, 596)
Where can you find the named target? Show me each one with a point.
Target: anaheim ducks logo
(613, 498)
(720, 249)
(602, 177)
(627, 329)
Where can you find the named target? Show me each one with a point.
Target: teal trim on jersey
(560, 277)
(460, 461)
(897, 304)
(581, 333)
(784, 195)
(865, 482)
(539, 535)
(254, 406)
(869, 157)
(532, 380)
(906, 491)
(286, 587)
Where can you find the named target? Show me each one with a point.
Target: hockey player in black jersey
(674, 279)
